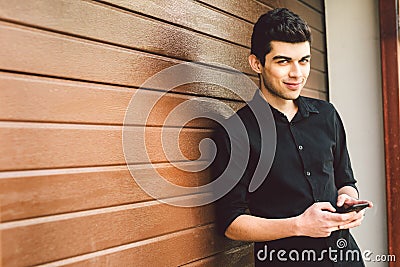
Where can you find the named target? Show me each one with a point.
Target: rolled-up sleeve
(234, 203)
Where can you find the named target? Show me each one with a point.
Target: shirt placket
(302, 150)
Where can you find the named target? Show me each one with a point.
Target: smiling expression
(286, 69)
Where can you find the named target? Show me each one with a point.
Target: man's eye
(305, 60)
(283, 61)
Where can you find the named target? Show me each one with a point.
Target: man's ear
(255, 64)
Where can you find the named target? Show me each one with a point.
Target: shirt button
(308, 173)
(300, 147)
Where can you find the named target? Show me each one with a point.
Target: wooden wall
(68, 70)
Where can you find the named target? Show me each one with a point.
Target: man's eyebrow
(279, 57)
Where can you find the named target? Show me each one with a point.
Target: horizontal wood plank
(194, 16)
(100, 22)
(38, 146)
(44, 53)
(314, 94)
(28, 194)
(318, 40)
(317, 81)
(318, 60)
(313, 17)
(48, 239)
(174, 249)
(249, 10)
(236, 257)
(271, 3)
(29, 98)
(66, 196)
(317, 4)
(40, 52)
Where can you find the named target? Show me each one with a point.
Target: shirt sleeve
(343, 172)
(234, 203)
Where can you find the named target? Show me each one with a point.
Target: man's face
(286, 69)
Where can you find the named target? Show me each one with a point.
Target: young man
(294, 216)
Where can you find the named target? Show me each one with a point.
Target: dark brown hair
(279, 24)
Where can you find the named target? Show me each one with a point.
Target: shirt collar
(305, 106)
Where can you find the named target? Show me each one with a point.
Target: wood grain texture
(174, 249)
(314, 94)
(249, 10)
(47, 192)
(317, 81)
(236, 257)
(317, 4)
(27, 98)
(107, 24)
(271, 3)
(318, 40)
(68, 72)
(45, 146)
(39, 240)
(313, 18)
(194, 16)
(318, 60)
(35, 51)
(389, 41)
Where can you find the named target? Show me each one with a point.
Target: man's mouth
(293, 85)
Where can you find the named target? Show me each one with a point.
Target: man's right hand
(320, 220)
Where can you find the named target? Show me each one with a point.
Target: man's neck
(287, 107)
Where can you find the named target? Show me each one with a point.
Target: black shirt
(311, 163)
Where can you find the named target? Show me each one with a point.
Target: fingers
(341, 218)
(353, 224)
(321, 219)
(341, 199)
(334, 228)
(344, 199)
(325, 206)
(340, 221)
(369, 203)
(325, 231)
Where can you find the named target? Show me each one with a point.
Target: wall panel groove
(68, 70)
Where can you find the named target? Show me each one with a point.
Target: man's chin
(286, 95)
(292, 95)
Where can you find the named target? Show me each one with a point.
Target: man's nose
(295, 70)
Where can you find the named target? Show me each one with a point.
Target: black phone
(355, 207)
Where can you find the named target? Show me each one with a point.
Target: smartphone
(355, 207)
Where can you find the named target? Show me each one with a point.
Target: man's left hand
(346, 201)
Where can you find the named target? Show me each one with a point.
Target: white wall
(355, 89)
